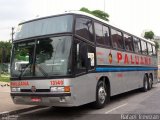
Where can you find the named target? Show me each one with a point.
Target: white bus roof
(91, 16)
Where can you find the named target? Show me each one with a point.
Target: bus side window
(128, 42)
(117, 39)
(144, 48)
(102, 34)
(80, 58)
(106, 35)
(150, 52)
(91, 56)
(154, 50)
(84, 28)
(137, 45)
(99, 34)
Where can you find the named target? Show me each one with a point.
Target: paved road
(135, 103)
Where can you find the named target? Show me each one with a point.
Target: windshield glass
(51, 57)
(45, 26)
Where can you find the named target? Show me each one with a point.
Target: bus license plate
(35, 99)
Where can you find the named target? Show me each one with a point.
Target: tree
(149, 35)
(5, 48)
(85, 10)
(97, 13)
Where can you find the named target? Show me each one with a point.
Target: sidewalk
(6, 103)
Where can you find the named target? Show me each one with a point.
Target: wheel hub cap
(102, 94)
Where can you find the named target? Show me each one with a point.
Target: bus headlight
(57, 89)
(16, 89)
(60, 89)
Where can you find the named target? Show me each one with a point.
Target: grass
(4, 78)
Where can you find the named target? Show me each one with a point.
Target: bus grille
(37, 90)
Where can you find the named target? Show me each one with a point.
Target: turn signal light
(67, 89)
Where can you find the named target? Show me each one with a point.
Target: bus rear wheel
(145, 84)
(102, 95)
(150, 82)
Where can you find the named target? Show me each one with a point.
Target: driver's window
(80, 60)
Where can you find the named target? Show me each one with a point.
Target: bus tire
(150, 82)
(145, 84)
(102, 96)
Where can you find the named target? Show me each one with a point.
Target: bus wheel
(145, 84)
(150, 82)
(102, 96)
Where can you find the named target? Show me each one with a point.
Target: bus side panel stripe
(123, 69)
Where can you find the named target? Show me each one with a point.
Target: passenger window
(150, 52)
(117, 39)
(154, 50)
(106, 35)
(128, 42)
(99, 34)
(137, 45)
(144, 48)
(102, 34)
(84, 28)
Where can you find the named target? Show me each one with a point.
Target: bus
(74, 58)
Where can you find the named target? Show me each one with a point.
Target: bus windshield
(42, 57)
(45, 26)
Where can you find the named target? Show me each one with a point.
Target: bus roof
(91, 16)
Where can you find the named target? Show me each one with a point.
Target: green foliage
(97, 13)
(85, 10)
(21, 54)
(5, 48)
(4, 78)
(149, 35)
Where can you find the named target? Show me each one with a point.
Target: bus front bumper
(46, 99)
